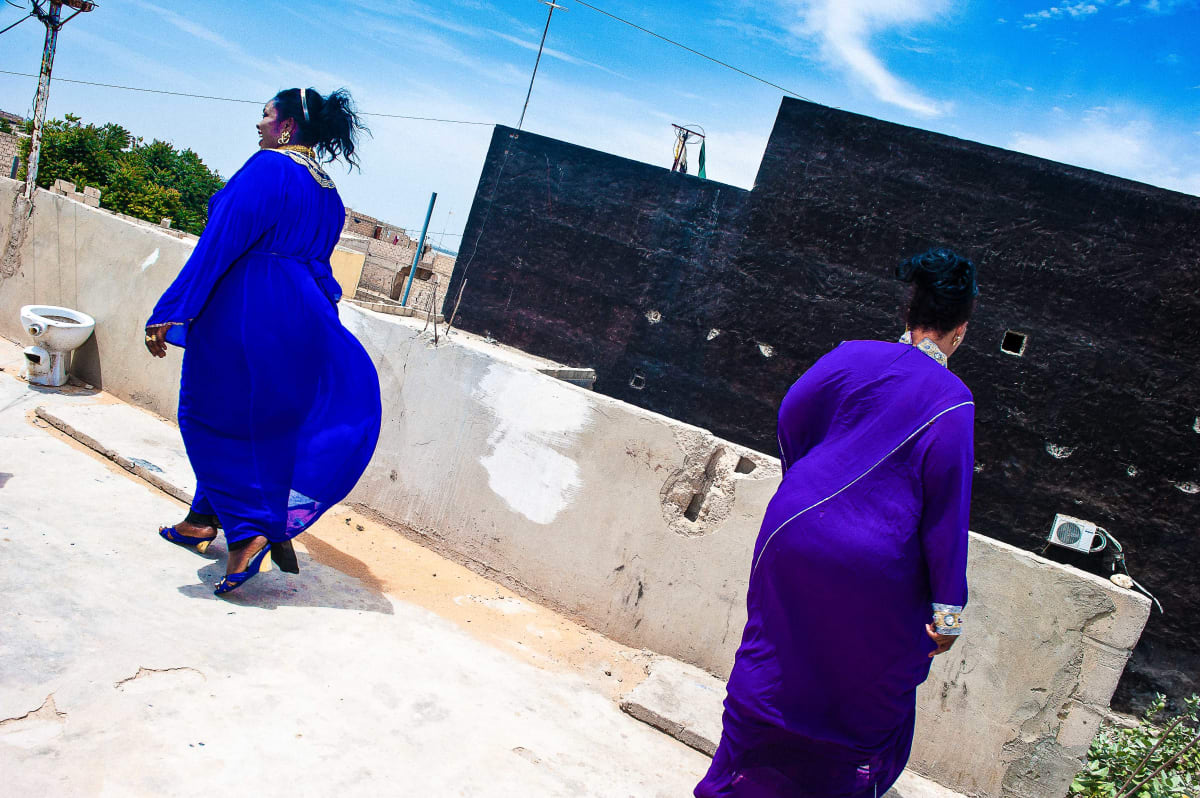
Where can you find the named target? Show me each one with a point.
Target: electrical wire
(417, 230)
(18, 22)
(1119, 559)
(234, 99)
(691, 50)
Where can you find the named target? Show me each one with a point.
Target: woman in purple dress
(859, 573)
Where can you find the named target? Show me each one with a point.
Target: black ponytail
(944, 289)
(332, 126)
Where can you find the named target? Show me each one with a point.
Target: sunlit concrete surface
(399, 674)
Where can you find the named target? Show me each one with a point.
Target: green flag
(701, 173)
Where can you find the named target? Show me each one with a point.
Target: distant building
(387, 252)
(10, 143)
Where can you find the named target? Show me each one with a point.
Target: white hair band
(304, 103)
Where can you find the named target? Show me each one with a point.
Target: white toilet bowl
(56, 333)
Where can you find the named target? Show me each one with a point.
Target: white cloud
(550, 52)
(1125, 145)
(1166, 6)
(844, 28)
(1012, 84)
(265, 71)
(417, 11)
(758, 33)
(1076, 10)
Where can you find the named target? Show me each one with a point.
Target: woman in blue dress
(278, 404)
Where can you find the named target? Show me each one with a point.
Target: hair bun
(942, 271)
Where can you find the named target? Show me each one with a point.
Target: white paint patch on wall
(535, 421)
(150, 260)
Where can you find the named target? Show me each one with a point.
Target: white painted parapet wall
(640, 526)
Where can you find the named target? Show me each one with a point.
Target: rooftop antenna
(682, 134)
(546, 30)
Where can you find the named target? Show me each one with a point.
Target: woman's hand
(156, 341)
(943, 641)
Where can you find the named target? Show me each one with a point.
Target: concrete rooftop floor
(382, 669)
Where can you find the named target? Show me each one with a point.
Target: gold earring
(285, 137)
(957, 340)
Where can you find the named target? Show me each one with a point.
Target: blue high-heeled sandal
(258, 564)
(169, 534)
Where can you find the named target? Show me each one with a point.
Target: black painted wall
(579, 246)
(581, 250)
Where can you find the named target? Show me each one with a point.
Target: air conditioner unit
(1077, 534)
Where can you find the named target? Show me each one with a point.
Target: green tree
(146, 181)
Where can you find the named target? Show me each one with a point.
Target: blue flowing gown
(867, 530)
(279, 404)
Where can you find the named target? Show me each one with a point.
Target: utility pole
(546, 30)
(53, 21)
(412, 272)
(49, 15)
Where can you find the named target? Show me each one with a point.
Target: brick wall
(386, 269)
(387, 264)
(361, 224)
(8, 150)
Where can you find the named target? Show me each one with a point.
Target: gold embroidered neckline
(308, 159)
(300, 148)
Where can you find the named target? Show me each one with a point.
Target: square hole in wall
(1014, 343)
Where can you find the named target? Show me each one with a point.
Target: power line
(233, 99)
(690, 50)
(18, 22)
(417, 230)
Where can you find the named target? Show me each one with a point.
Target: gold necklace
(300, 148)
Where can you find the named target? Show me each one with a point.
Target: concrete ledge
(393, 310)
(685, 702)
(133, 439)
(681, 700)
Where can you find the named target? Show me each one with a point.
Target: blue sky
(1112, 85)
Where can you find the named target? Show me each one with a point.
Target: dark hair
(944, 289)
(332, 127)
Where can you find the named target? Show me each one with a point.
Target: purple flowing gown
(279, 404)
(867, 530)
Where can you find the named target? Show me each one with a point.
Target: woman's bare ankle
(194, 531)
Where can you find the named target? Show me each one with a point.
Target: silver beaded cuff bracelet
(947, 619)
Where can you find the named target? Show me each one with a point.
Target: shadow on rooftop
(316, 585)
